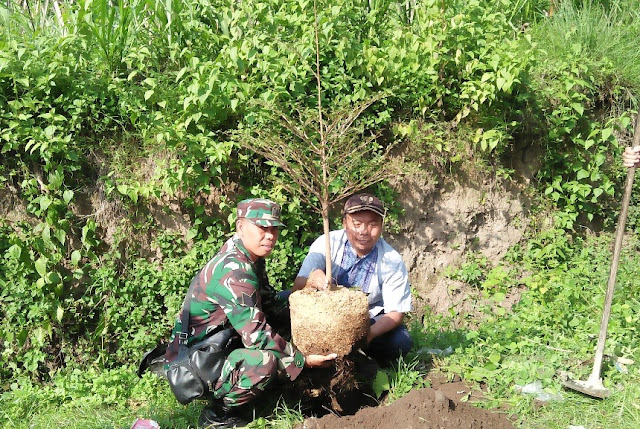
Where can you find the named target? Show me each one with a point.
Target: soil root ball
(329, 321)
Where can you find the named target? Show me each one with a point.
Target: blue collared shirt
(389, 288)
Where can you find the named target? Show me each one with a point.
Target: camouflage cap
(260, 212)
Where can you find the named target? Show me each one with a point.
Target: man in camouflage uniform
(226, 294)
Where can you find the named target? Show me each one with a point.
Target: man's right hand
(317, 280)
(631, 157)
(319, 361)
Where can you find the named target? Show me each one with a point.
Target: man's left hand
(319, 361)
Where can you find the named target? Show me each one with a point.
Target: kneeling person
(226, 294)
(361, 257)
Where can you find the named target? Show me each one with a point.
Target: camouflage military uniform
(226, 294)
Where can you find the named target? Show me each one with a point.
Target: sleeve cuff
(298, 363)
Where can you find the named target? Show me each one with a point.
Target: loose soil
(437, 407)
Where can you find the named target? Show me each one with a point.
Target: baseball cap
(362, 202)
(260, 212)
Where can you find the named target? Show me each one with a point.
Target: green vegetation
(117, 120)
(552, 329)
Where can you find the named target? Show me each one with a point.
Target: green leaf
(494, 358)
(59, 313)
(191, 234)
(50, 131)
(75, 257)
(133, 194)
(499, 297)
(582, 174)
(53, 278)
(625, 121)
(181, 73)
(67, 196)
(45, 202)
(381, 383)
(578, 108)
(14, 251)
(41, 266)
(46, 234)
(61, 235)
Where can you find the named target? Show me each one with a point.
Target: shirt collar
(237, 242)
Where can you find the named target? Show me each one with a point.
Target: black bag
(153, 360)
(194, 372)
(196, 369)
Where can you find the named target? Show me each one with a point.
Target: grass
(284, 416)
(618, 411)
(603, 38)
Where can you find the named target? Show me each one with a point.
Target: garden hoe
(593, 386)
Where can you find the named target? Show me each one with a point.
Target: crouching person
(225, 295)
(361, 257)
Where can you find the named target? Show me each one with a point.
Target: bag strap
(183, 335)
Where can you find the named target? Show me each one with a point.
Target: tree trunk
(327, 243)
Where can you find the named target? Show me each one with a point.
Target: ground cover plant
(552, 329)
(118, 176)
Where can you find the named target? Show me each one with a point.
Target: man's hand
(631, 157)
(317, 280)
(319, 361)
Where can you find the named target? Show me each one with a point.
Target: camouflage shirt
(225, 293)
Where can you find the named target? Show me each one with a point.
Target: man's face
(363, 230)
(258, 240)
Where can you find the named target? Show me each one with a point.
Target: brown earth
(446, 222)
(446, 405)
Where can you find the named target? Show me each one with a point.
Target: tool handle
(622, 220)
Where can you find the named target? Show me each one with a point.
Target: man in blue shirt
(361, 258)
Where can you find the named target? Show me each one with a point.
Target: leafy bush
(554, 326)
(85, 109)
(587, 71)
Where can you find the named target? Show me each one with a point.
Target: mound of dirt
(420, 408)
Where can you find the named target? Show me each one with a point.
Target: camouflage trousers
(245, 374)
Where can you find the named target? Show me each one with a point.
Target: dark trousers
(390, 345)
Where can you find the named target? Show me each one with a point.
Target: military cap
(260, 212)
(362, 202)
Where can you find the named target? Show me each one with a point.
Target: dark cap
(362, 202)
(260, 212)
